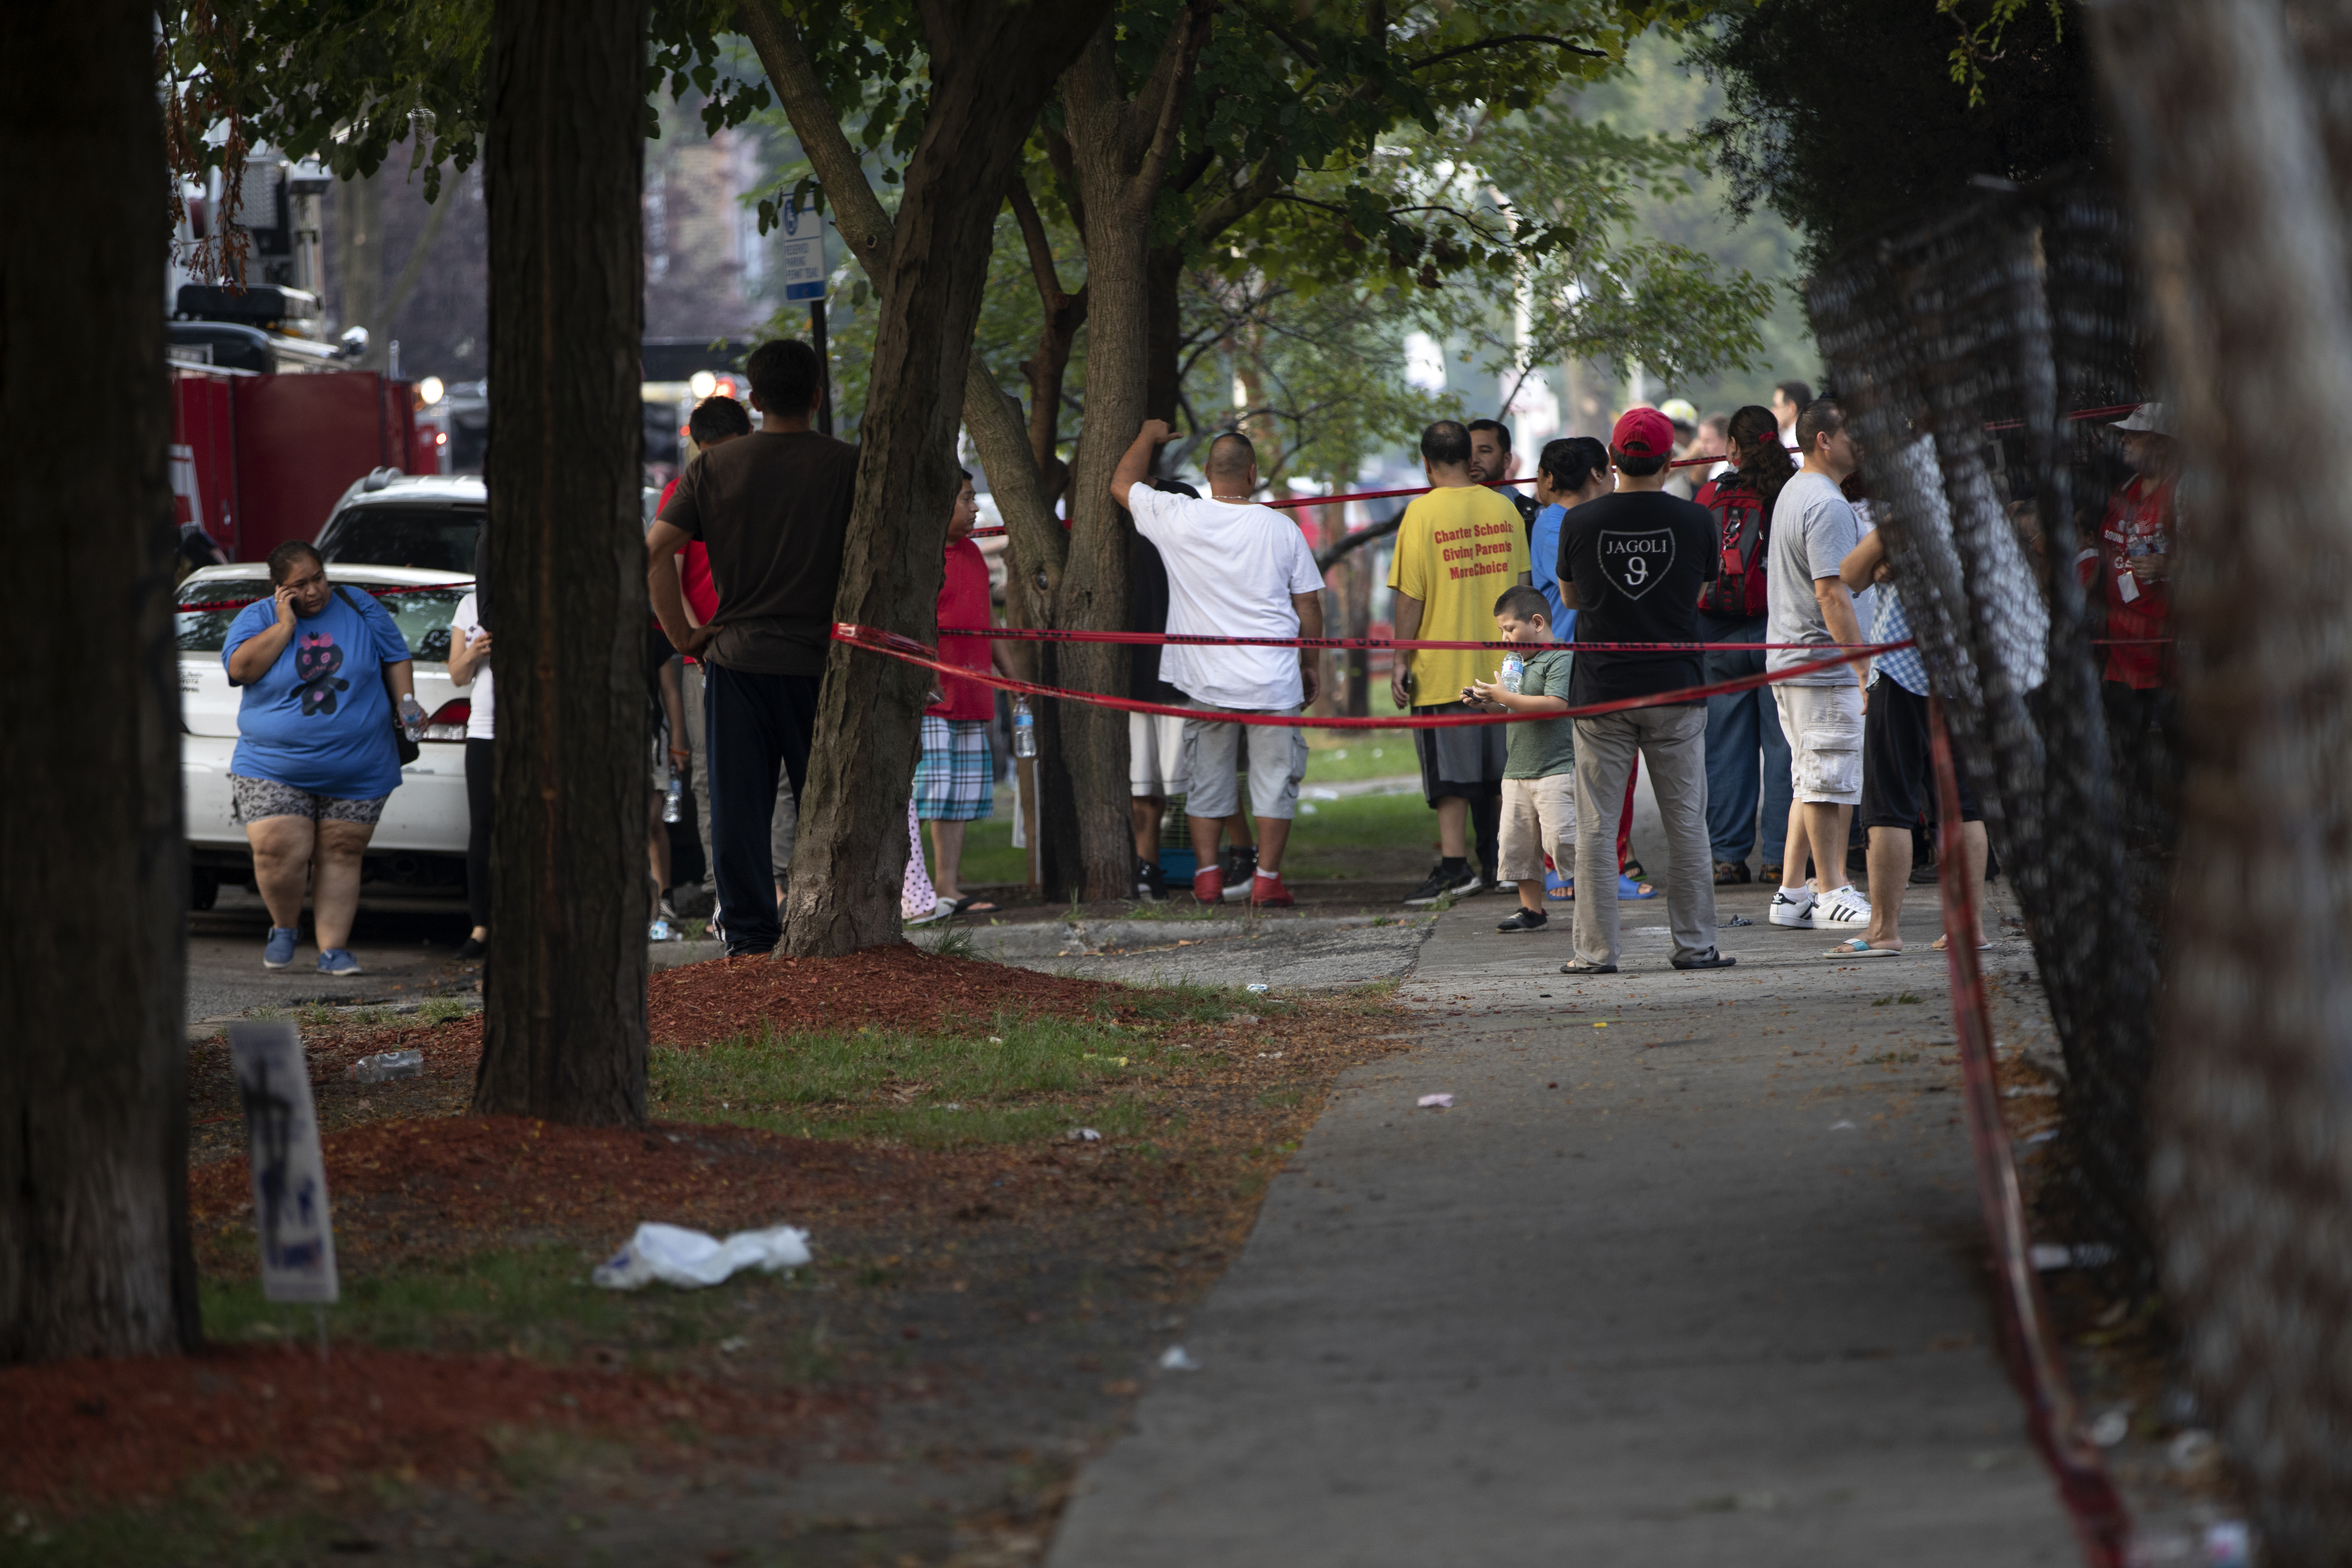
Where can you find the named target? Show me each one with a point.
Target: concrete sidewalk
(1699, 1287)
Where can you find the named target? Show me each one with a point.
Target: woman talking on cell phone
(328, 683)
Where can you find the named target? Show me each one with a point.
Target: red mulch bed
(898, 986)
(439, 1183)
(84, 1433)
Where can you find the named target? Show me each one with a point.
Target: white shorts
(1278, 761)
(1824, 724)
(1155, 755)
(1538, 819)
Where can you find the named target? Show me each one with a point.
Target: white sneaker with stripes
(1846, 906)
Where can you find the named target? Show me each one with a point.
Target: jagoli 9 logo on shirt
(1634, 562)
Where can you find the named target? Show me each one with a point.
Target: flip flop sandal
(1629, 888)
(1939, 945)
(933, 916)
(976, 906)
(1855, 947)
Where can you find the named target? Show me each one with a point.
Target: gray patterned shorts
(258, 799)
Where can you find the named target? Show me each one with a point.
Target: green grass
(209, 1518)
(989, 860)
(536, 1301)
(1364, 835)
(438, 1010)
(1012, 1082)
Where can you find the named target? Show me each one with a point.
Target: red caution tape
(2102, 1527)
(1196, 639)
(913, 652)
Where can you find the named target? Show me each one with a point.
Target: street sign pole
(805, 279)
(825, 361)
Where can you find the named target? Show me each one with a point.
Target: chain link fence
(1963, 352)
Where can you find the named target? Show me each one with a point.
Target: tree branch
(857, 213)
(1066, 170)
(1041, 249)
(1234, 205)
(1504, 41)
(1177, 58)
(1328, 559)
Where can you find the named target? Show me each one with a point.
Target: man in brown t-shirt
(772, 510)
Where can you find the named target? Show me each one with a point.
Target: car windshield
(423, 615)
(426, 538)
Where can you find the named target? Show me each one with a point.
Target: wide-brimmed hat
(2148, 418)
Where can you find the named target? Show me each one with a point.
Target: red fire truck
(270, 428)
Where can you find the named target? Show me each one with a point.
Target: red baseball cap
(1644, 433)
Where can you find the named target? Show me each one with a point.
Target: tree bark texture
(94, 1254)
(991, 67)
(1118, 148)
(564, 1024)
(2231, 124)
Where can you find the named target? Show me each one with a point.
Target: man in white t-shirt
(1806, 603)
(1239, 570)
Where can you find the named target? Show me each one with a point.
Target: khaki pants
(1538, 819)
(1672, 742)
(781, 833)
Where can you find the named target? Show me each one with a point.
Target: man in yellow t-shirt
(1457, 549)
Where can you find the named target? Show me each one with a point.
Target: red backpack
(1745, 528)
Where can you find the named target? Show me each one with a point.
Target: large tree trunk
(564, 1024)
(1163, 271)
(1117, 150)
(94, 1255)
(2228, 118)
(992, 66)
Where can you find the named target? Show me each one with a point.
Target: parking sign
(803, 254)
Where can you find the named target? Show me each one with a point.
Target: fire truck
(270, 425)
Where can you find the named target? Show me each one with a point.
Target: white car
(421, 841)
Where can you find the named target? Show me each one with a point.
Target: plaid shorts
(956, 779)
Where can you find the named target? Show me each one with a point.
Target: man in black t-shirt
(772, 508)
(1630, 565)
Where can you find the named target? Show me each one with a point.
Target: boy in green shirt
(1539, 765)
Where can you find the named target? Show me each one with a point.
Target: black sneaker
(1526, 920)
(1442, 883)
(1713, 960)
(1150, 881)
(1240, 866)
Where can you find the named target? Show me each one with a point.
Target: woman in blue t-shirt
(316, 756)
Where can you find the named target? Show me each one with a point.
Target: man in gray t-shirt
(1813, 530)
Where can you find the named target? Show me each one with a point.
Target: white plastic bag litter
(690, 1259)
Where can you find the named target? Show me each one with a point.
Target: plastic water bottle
(412, 718)
(1024, 729)
(1515, 670)
(673, 798)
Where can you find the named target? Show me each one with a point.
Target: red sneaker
(1209, 885)
(1269, 893)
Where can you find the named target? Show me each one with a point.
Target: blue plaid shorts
(956, 779)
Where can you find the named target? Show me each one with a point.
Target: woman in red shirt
(955, 781)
